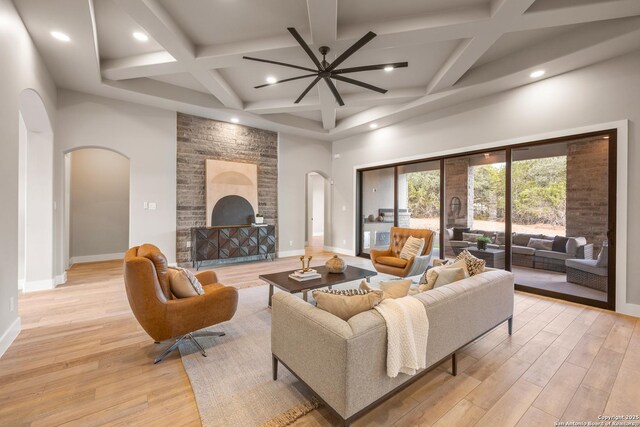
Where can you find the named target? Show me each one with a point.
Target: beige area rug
(233, 386)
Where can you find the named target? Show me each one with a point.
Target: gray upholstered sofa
(344, 362)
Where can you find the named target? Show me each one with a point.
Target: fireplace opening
(232, 210)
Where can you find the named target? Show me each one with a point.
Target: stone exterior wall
(200, 139)
(588, 191)
(459, 183)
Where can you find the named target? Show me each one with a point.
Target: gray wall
(605, 92)
(22, 68)
(297, 156)
(147, 137)
(99, 203)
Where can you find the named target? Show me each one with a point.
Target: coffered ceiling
(457, 50)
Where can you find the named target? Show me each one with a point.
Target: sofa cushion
(412, 248)
(471, 237)
(543, 244)
(392, 261)
(183, 283)
(473, 264)
(522, 239)
(551, 254)
(346, 305)
(449, 275)
(586, 265)
(603, 256)
(523, 250)
(559, 244)
(457, 232)
(390, 288)
(574, 243)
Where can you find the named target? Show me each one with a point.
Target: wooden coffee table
(284, 282)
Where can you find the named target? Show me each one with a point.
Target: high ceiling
(457, 50)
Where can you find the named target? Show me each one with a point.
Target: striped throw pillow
(412, 248)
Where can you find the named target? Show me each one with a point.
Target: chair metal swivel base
(191, 337)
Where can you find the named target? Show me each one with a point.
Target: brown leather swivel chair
(389, 261)
(162, 315)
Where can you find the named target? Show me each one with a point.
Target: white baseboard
(9, 336)
(296, 252)
(21, 284)
(60, 279)
(340, 251)
(96, 258)
(39, 285)
(629, 309)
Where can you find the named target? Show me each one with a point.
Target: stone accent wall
(200, 139)
(459, 183)
(588, 191)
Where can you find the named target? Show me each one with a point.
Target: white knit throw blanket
(407, 335)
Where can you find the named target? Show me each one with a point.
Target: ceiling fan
(327, 71)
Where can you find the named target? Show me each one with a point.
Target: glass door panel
(475, 206)
(419, 198)
(378, 195)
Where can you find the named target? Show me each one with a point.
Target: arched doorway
(318, 211)
(96, 199)
(35, 194)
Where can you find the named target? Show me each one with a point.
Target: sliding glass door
(544, 210)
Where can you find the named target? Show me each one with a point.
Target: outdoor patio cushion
(523, 250)
(574, 243)
(522, 239)
(552, 254)
(586, 265)
(459, 243)
(392, 261)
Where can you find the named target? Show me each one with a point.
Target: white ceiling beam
(575, 15)
(469, 51)
(312, 103)
(323, 22)
(157, 22)
(145, 65)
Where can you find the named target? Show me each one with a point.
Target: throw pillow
(449, 275)
(412, 248)
(559, 244)
(436, 263)
(391, 289)
(347, 305)
(471, 237)
(473, 264)
(457, 232)
(183, 283)
(542, 244)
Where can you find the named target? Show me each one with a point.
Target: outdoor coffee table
(284, 282)
(493, 257)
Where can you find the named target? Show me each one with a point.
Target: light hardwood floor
(82, 359)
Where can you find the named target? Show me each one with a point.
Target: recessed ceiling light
(536, 74)
(271, 80)
(60, 36)
(388, 68)
(235, 120)
(606, 137)
(373, 126)
(141, 37)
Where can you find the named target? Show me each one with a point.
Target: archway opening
(35, 194)
(317, 224)
(97, 194)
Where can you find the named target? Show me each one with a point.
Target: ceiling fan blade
(305, 46)
(313, 83)
(334, 90)
(347, 53)
(286, 80)
(359, 83)
(370, 67)
(279, 63)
